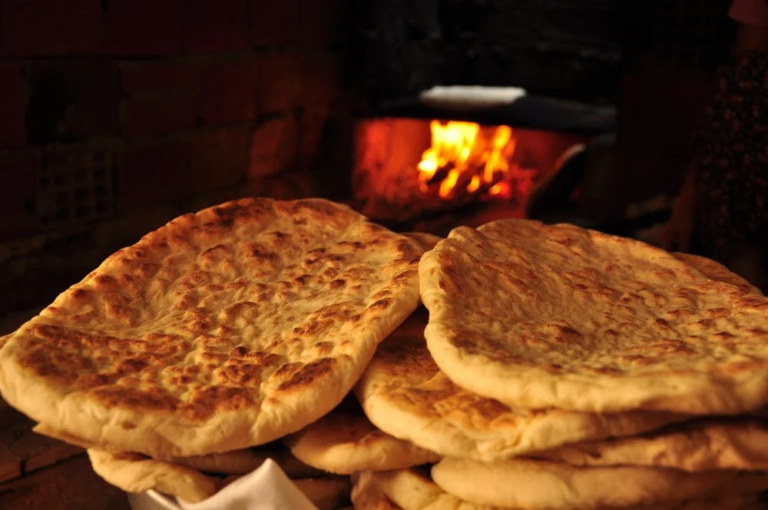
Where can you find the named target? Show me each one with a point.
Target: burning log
(463, 158)
(440, 174)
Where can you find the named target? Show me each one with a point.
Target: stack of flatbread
(550, 367)
(182, 359)
(564, 368)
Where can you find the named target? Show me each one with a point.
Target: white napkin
(267, 488)
(470, 97)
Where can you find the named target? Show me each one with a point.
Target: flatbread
(133, 472)
(366, 495)
(235, 462)
(533, 484)
(702, 445)
(224, 329)
(558, 316)
(326, 493)
(425, 240)
(47, 430)
(413, 489)
(405, 394)
(344, 441)
(242, 462)
(406, 489)
(717, 271)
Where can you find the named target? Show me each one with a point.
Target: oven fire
(467, 158)
(405, 168)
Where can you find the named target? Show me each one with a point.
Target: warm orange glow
(501, 188)
(463, 154)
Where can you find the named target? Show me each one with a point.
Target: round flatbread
(543, 316)
(413, 489)
(47, 430)
(425, 240)
(406, 489)
(224, 329)
(345, 441)
(702, 445)
(235, 462)
(242, 462)
(133, 472)
(327, 492)
(405, 394)
(533, 484)
(717, 271)
(366, 495)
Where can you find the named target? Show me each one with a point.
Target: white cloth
(267, 488)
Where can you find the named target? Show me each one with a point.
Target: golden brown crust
(425, 240)
(327, 492)
(717, 271)
(524, 483)
(406, 489)
(698, 445)
(538, 316)
(415, 490)
(344, 441)
(242, 462)
(404, 393)
(366, 495)
(221, 330)
(134, 472)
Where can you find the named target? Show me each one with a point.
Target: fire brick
(50, 27)
(211, 27)
(321, 81)
(153, 174)
(219, 158)
(274, 23)
(150, 77)
(312, 127)
(143, 27)
(273, 147)
(279, 77)
(13, 130)
(155, 115)
(228, 92)
(72, 100)
(270, 136)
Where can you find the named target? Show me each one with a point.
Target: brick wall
(116, 115)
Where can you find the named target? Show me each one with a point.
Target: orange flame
(460, 152)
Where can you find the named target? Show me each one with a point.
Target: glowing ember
(465, 156)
